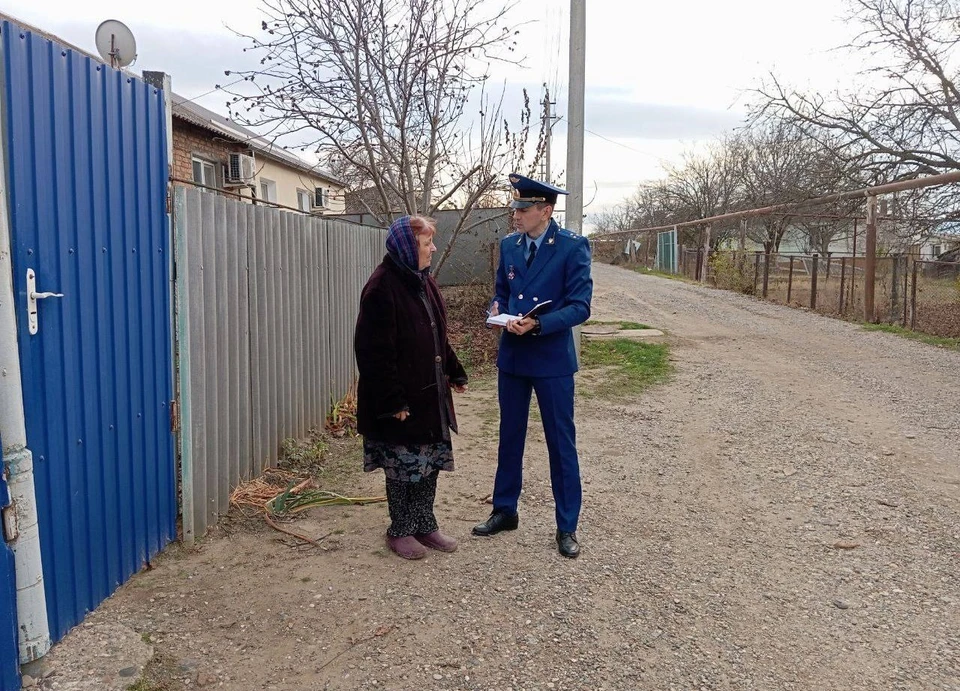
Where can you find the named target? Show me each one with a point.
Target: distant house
(942, 244)
(216, 152)
(367, 200)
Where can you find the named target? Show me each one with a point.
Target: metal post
(33, 626)
(913, 297)
(813, 282)
(790, 281)
(706, 254)
(895, 290)
(843, 277)
(853, 265)
(906, 280)
(766, 274)
(870, 262)
(756, 270)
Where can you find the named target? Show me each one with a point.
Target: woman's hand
(402, 415)
(460, 388)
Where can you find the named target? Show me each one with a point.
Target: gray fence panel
(267, 302)
(245, 461)
(231, 231)
(190, 280)
(322, 316)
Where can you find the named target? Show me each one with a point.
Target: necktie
(533, 253)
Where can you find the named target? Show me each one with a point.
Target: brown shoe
(406, 547)
(438, 541)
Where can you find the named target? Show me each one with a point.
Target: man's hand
(521, 326)
(402, 415)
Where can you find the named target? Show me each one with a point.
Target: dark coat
(404, 358)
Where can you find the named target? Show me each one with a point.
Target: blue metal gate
(87, 177)
(9, 651)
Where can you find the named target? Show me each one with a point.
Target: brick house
(204, 141)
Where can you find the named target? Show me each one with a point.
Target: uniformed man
(539, 262)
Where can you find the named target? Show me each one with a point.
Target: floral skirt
(407, 462)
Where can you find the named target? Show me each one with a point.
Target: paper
(504, 319)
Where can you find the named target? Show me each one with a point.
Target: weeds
(938, 341)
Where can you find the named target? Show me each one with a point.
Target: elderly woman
(407, 368)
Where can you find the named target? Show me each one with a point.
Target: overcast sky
(661, 77)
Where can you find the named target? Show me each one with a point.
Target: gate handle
(33, 320)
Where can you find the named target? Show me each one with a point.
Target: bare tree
(903, 119)
(619, 217)
(379, 90)
(781, 164)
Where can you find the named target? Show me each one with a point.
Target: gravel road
(783, 514)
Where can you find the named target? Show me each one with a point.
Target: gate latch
(33, 322)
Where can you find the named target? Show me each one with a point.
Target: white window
(935, 251)
(319, 197)
(303, 200)
(204, 172)
(268, 190)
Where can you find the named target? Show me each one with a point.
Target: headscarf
(402, 244)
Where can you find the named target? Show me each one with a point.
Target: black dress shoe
(567, 544)
(498, 521)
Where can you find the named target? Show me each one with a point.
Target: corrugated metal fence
(86, 170)
(266, 306)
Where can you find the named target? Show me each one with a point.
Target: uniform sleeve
(375, 345)
(577, 290)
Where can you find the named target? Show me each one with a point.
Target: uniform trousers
(555, 398)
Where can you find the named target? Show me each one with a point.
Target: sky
(661, 77)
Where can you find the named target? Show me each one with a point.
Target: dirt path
(782, 515)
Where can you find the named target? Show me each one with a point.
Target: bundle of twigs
(255, 493)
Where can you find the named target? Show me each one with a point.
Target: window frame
(268, 190)
(205, 164)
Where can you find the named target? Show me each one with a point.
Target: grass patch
(626, 326)
(938, 341)
(629, 366)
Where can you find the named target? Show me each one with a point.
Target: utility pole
(548, 136)
(578, 40)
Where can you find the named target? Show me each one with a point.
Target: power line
(207, 93)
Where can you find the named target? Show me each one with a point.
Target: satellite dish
(116, 44)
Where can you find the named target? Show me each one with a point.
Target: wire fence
(910, 292)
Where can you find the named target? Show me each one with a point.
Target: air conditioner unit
(241, 169)
(319, 198)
